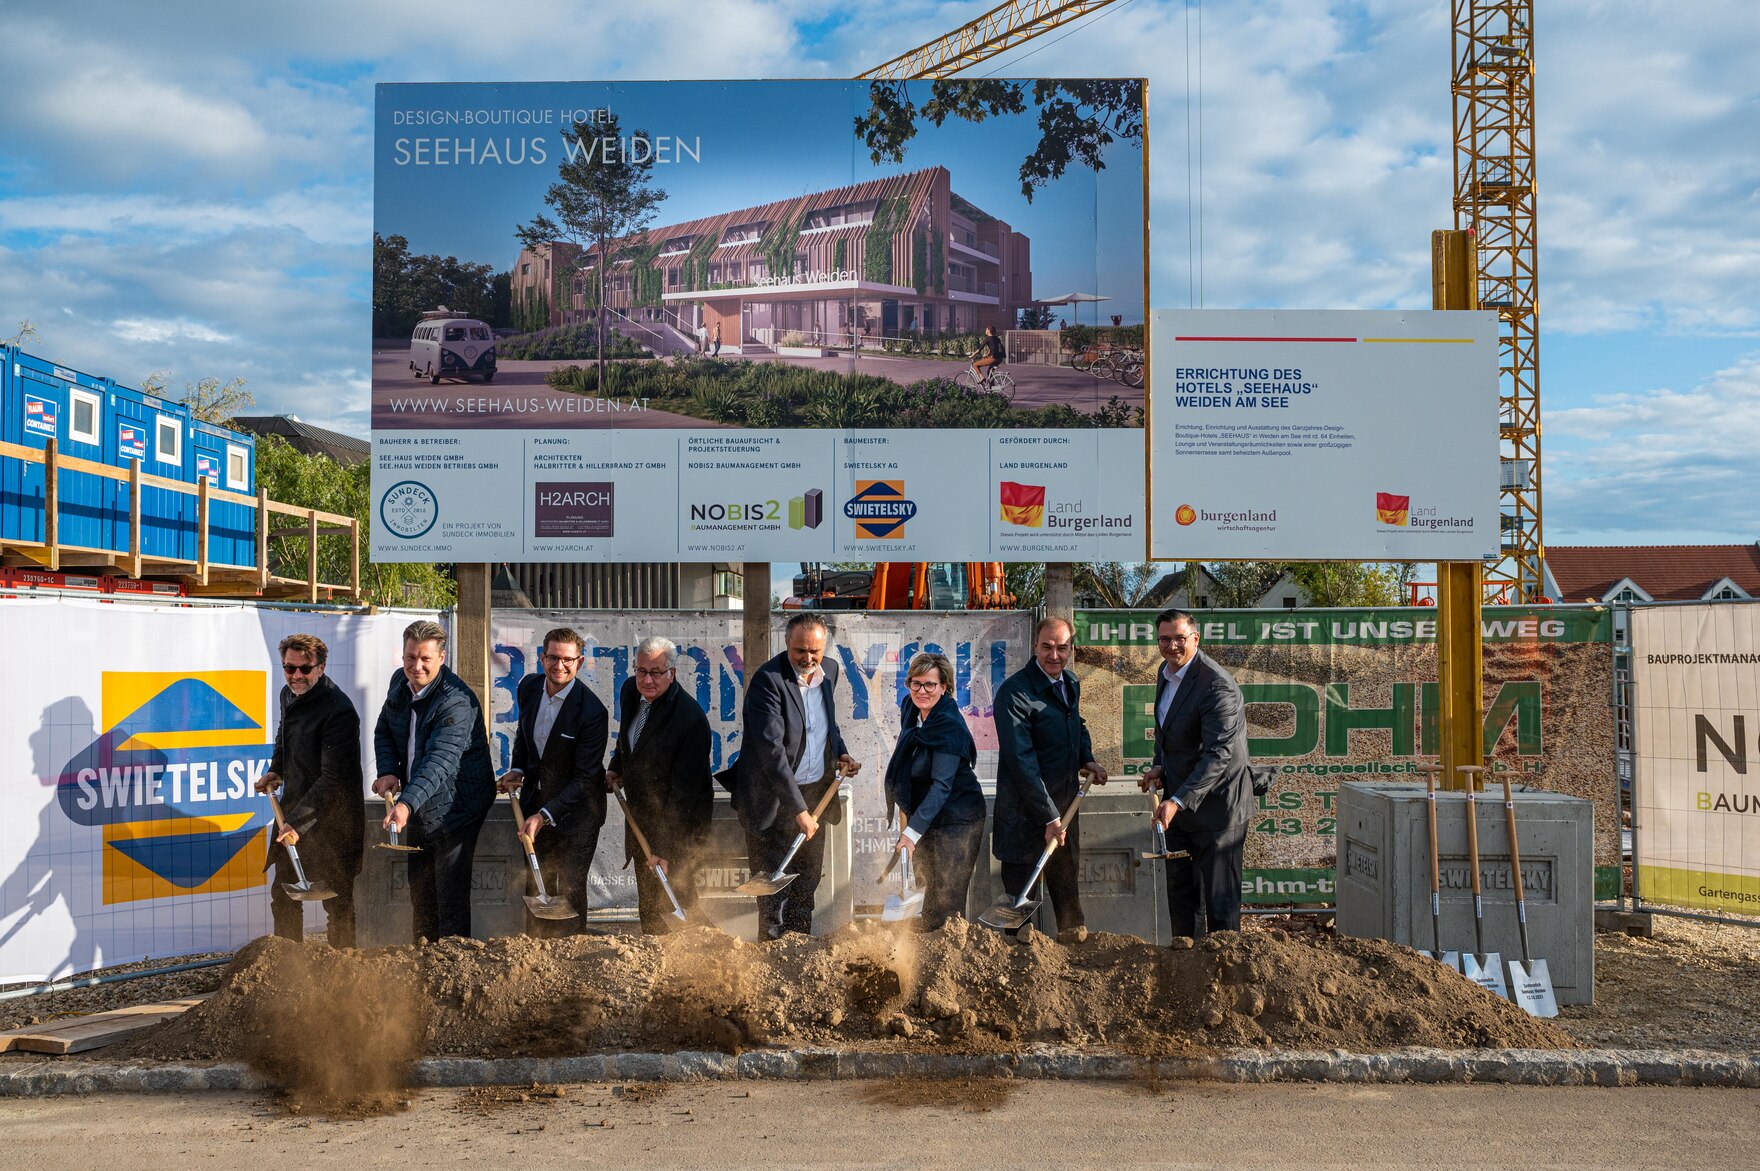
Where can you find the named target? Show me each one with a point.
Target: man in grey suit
(1205, 778)
(790, 752)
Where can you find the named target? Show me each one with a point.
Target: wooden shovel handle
(830, 792)
(275, 805)
(1515, 853)
(519, 820)
(1087, 783)
(630, 820)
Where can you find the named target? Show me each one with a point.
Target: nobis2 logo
(880, 509)
(170, 783)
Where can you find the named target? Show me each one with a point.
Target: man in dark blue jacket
(559, 768)
(433, 755)
(1043, 745)
(790, 752)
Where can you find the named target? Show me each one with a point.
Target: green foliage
(315, 481)
(920, 261)
(777, 246)
(696, 261)
(215, 402)
(1118, 585)
(937, 264)
(566, 342)
(1077, 120)
(877, 242)
(839, 257)
(1128, 337)
(1240, 584)
(1348, 583)
(1036, 317)
(405, 286)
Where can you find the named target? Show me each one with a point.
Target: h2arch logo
(170, 783)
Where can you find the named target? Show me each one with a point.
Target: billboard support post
(755, 633)
(1060, 590)
(470, 650)
(1460, 669)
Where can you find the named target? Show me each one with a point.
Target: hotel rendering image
(899, 256)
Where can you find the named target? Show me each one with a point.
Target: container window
(238, 467)
(168, 441)
(84, 407)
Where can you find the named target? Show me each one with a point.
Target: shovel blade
(1448, 959)
(765, 884)
(1003, 915)
(317, 893)
(1486, 971)
(550, 908)
(898, 908)
(1530, 986)
(399, 847)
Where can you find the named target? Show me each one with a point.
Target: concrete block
(1640, 924)
(1384, 875)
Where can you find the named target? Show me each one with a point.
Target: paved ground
(985, 1124)
(519, 397)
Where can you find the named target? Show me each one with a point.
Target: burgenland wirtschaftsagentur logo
(1228, 520)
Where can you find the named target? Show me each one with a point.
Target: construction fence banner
(1337, 695)
(791, 279)
(1696, 742)
(130, 740)
(871, 649)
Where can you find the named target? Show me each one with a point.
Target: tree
(1240, 584)
(1078, 120)
(407, 285)
(1117, 585)
(606, 194)
(1037, 317)
(26, 331)
(215, 403)
(316, 481)
(1346, 583)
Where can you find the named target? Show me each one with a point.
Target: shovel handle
(830, 792)
(630, 819)
(519, 823)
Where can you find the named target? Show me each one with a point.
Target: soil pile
(960, 989)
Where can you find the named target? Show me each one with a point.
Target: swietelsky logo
(880, 509)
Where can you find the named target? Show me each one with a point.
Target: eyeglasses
(298, 669)
(653, 672)
(559, 660)
(1176, 639)
(925, 684)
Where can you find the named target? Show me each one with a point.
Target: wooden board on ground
(77, 1034)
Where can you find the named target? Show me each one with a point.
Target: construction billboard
(725, 321)
(1337, 695)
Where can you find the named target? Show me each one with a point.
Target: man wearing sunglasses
(317, 766)
(559, 768)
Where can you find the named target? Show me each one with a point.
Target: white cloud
(145, 329)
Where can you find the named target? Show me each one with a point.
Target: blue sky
(188, 187)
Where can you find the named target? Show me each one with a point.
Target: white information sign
(1324, 435)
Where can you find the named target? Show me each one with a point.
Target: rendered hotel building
(892, 257)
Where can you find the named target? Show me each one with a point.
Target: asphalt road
(1268, 1128)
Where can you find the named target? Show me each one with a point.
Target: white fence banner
(871, 648)
(130, 737)
(1696, 683)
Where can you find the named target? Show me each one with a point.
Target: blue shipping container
(40, 401)
(228, 461)
(156, 432)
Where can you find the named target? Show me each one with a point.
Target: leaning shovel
(1007, 914)
(542, 905)
(308, 892)
(648, 854)
(777, 882)
(1448, 959)
(1530, 982)
(908, 902)
(394, 839)
(1480, 966)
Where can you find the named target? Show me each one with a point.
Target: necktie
(635, 729)
(1062, 690)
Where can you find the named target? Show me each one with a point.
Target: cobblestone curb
(1524, 1067)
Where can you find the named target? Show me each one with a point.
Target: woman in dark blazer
(931, 781)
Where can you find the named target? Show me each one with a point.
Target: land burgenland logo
(170, 783)
(1391, 509)
(880, 509)
(1023, 504)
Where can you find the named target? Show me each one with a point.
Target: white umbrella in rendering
(1076, 300)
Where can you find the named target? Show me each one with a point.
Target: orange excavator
(939, 585)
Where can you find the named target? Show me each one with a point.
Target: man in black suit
(1044, 745)
(558, 766)
(1205, 777)
(790, 753)
(662, 762)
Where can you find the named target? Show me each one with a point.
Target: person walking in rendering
(932, 782)
(1205, 778)
(433, 758)
(1044, 745)
(792, 752)
(558, 767)
(317, 766)
(662, 763)
(715, 341)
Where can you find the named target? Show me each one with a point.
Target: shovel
(1011, 915)
(908, 902)
(1448, 959)
(1480, 966)
(1158, 851)
(770, 884)
(394, 838)
(648, 854)
(306, 892)
(1530, 982)
(542, 905)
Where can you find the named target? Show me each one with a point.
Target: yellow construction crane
(1494, 198)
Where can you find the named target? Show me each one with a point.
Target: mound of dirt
(305, 1013)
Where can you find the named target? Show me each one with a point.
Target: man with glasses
(433, 757)
(662, 762)
(558, 766)
(1205, 778)
(1043, 745)
(317, 766)
(790, 752)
